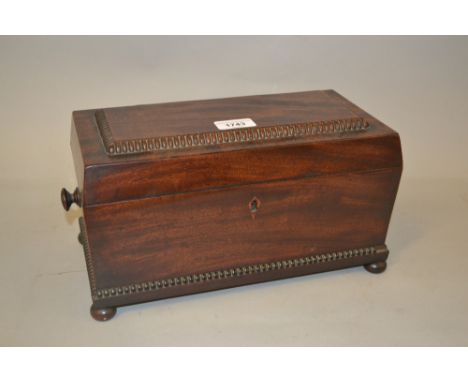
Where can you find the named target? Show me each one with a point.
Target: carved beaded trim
(233, 272)
(87, 253)
(258, 134)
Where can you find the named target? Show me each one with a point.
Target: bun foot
(102, 314)
(377, 267)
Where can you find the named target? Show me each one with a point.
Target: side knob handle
(68, 198)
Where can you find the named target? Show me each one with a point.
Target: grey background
(417, 85)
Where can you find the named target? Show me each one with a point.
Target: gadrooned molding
(236, 272)
(256, 134)
(87, 253)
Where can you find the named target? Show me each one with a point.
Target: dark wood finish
(176, 118)
(118, 178)
(173, 235)
(142, 292)
(232, 168)
(188, 209)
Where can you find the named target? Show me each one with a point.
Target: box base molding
(106, 300)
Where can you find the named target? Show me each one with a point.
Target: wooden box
(186, 197)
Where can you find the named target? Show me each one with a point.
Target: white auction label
(235, 124)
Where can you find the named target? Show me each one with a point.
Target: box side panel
(194, 233)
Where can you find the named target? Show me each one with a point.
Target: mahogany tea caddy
(186, 197)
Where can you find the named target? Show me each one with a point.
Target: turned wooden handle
(68, 198)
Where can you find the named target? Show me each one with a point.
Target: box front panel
(211, 231)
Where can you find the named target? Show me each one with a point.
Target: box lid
(141, 151)
(183, 125)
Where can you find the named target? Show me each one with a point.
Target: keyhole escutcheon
(254, 205)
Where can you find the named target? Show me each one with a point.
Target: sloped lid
(135, 152)
(184, 125)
